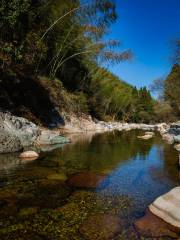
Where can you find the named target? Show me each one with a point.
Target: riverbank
(134, 173)
(19, 134)
(73, 124)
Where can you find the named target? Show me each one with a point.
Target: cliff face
(23, 95)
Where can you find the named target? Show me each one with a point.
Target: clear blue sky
(148, 27)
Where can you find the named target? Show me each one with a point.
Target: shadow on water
(55, 196)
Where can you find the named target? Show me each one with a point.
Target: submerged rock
(101, 227)
(25, 212)
(163, 216)
(87, 180)
(154, 227)
(167, 207)
(57, 176)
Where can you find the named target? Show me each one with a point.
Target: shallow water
(64, 193)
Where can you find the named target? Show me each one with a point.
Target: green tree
(172, 89)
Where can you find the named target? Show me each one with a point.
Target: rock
(177, 139)
(169, 138)
(101, 227)
(16, 133)
(145, 137)
(87, 180)
(154, 227)
(46, 194)
(48, 137)
(162, 128)
(167, 207)
(58, 177)
(175, 128)
(9, 142)
(29, 155)
(149, 133)
(177, 147)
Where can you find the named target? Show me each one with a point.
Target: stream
(73, 191)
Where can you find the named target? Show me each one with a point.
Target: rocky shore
(17, 134)
(169, 132)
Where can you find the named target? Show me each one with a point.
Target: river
(65, 193)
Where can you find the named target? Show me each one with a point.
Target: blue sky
(148, 28)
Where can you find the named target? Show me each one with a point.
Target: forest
(54, 58)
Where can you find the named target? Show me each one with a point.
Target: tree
(172, 89)
(144, 106)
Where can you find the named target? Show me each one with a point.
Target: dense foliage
(64, 40)
(167, 107)
(172, 89)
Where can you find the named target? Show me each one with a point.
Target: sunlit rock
(29, 155)
(150, 133)
(167, 207)
(177, 147)
(145, 137)
(169, 138)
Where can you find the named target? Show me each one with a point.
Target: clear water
(52, 197)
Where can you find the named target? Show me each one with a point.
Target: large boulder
(162, 218)
(9, 142)
(16, 133)
(151, 226)
(167, 207)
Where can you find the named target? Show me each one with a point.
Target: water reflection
(113, 173)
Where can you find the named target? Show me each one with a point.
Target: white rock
(29, 154)
(145, 137)
(177, 147)
(167, 207)
(149, 133)
(168, 138)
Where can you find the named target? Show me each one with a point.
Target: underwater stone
(101, 226)
(167, 207)
(57, 177)
(154, 227)
(86, 180)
